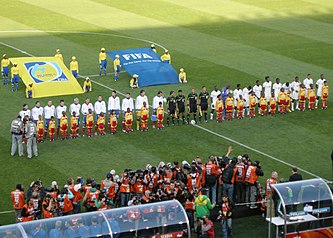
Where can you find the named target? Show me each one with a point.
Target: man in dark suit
(295, 176)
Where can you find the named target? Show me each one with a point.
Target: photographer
(253, 171)
(125, 190)
(172, 191)
(137, 184)
(64, 201)
(226, 216)
(18, 201)
(49, 207)
(110, 186)
(178, 172)
(36, 186)
(76, 190)
(207, 228)
(211, 177)
(193, 179)
(103, 202)
(31, 131)
(28, 211)
(90, 197)
(190, 209)
(151, 179)
(228, 179)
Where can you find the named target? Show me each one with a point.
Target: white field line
(202, 128)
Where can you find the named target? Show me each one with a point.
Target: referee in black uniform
(203, 103)
(192, 101)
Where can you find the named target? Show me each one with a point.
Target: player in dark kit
(171, 105)
(192, 100)
(203, 103)
(180, 106)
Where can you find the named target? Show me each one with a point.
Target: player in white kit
(319, 86)
(238, 91)
(257, 89)
(295, 86)
(214, 95)
(246, 96)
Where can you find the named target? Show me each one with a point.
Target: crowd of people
(221, 182)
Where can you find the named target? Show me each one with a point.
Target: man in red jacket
(207, 228)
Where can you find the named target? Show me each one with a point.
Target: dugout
(302, 209)
(162, 219)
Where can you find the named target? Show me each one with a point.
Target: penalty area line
(197, 126)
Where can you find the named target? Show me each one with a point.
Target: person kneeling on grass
(134, 82)
(87, 86)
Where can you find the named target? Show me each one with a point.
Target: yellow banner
(49, 75)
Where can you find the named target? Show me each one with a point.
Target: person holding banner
(182, 76)
(15, 77)
(74, 67)
(134, 82)
(29, 91)
(4, 69)
(59, 55)
(166, 58)
(116, 67)
(87, 86)
(102, 61)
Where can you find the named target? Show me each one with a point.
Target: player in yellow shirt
(74, 67)
(219, 108)
(100, 124)
(63, 126)
(29, 91)
(116, 67)
(144, 117)
(302, 97)
(4, 69)
(128, 120)
(134, 82)
(182, 76)
(113, 122)
(282, 101)
(74, 125)
(272, 105)
(240, 107)
(288, 102)
(252, 105)
(102, 61)
(166, 58)
(263, 105)
(324, 95)
(229, 106)
(87, 86)
(15, 77)
(311, 97)
(89, 122)
(52, 128)
(59, 55)
(160, 115)
(40, 129)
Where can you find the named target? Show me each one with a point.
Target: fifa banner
(49, 76)
(148, 65)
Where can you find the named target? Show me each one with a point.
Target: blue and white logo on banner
(148, 65)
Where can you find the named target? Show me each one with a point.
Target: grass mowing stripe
(284, 22)
(215, 49)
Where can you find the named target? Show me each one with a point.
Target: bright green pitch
(216, 42)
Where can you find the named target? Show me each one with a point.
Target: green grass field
(217, 42)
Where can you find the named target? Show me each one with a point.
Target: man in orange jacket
(18, 201)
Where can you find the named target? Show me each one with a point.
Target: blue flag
(147, 64)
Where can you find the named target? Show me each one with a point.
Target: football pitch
(216, 42)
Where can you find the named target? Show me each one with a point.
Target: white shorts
(319, 93)
(235, 103)
(294, 95)
(268, 96)
(247, 103)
